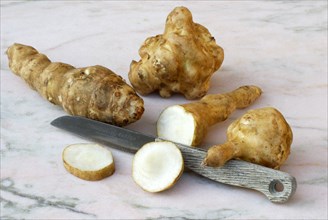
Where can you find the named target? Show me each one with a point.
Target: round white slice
(157, 166)
(88, 161)
(176, 124)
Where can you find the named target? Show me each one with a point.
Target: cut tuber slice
(157, 166)
(88, 161)
(188, 123)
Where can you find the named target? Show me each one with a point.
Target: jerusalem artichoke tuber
(88, 161)
(157, 166)
(188, 123)
(261, 136)
(94, 92)
(182, 60)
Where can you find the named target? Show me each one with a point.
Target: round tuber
(260, 136)
(181, 60)
(188, 123)
(88, 161)
(157, 166)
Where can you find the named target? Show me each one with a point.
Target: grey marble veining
(280, 46)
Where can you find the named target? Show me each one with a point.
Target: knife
(276, 185)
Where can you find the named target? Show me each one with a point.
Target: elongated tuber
(261, 136)
(188, 123)
(94, 92)
(88, 161)
(182, 60)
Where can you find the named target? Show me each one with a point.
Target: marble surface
(280, 46)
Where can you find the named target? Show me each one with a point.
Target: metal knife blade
(235, 172)
(117, 137)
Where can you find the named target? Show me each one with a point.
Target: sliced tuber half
(260, 136)
(88, 161)
(157, 166)
(188, 123)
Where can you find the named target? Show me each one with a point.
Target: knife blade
(278, 186)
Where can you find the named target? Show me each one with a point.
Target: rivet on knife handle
(276, 185)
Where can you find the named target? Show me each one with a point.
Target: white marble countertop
(280, 46)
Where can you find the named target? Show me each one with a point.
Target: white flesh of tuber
(88, 161)
(176, 124)
(157, 166)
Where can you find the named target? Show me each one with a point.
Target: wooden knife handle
(278, 186)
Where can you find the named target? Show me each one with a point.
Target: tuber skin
(188, 123)
(94, 92)
(260, 136)
(181, 60)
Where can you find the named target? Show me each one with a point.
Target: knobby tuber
(182, 60)
(188, 123)
(261, 136)
(94, 92)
